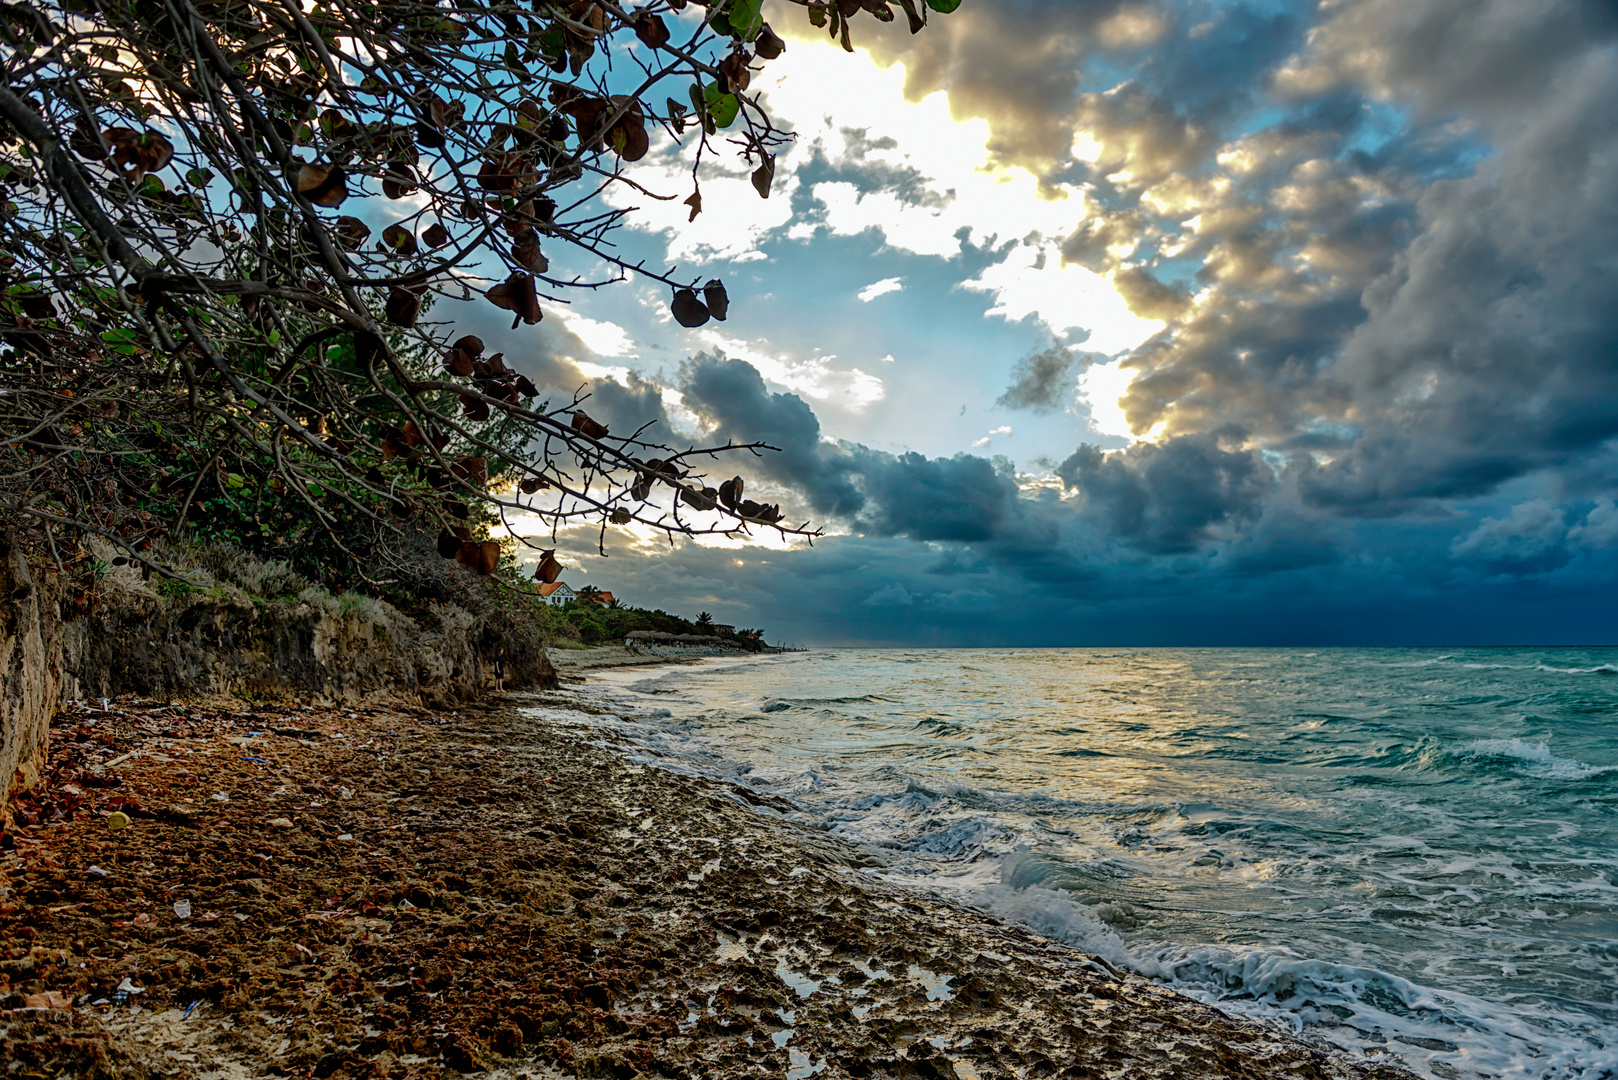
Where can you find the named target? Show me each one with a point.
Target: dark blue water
(1407, 853)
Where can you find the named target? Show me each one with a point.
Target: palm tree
(704, 621)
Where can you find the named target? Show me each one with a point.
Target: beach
(570, 662)
(499, 891)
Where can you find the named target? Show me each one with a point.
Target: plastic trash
(117, 820)
(49, 999)
(182, 908)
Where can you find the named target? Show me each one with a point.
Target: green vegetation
(592, 623)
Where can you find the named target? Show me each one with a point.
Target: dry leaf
(687, 309)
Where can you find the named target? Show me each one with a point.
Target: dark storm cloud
(1041, 382)
(1191, 541)
(962, 498)
(1399, 213)
(1171, 497)
(1380, 234)
(630, 406)
(1489, 347)
(1531, 539)
(1445, 55)
(732, 395)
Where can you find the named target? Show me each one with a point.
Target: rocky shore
(497, 891)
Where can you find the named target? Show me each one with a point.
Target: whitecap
(1534, 759)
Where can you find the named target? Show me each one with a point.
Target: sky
(1178, 323)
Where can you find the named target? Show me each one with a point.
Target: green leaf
(275, 337)
(944, 7)
(722, 107)
(235, 480)
(747, 16)
(152, 186)
(122, 341)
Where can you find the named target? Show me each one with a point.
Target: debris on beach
(397, 894)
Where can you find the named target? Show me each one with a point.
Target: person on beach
(500, 672)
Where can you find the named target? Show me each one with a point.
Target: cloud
(1530, 539)
(1034, 281)
(959, 499)
(1486, 350)
(732, 396)
(1171, 497)
(734, 220)
(602, 338)
(1600, 527)
(1342, 275)
(963, 498)
(850, 389)
(1016, 66)
(1491, 54)
(1040, 382)
(881, 288)
(1191, 540)
(891, 594)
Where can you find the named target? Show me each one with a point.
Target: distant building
(724, 629)
(605, 599)
(556, 593)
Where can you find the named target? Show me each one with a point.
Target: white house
(557, 593)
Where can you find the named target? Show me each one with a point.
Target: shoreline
(496, 889)
(569, 662)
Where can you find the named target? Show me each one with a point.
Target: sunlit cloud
(602, 338)
(1034, 281)
(1101, 386)
(881, 288)
(849, 389)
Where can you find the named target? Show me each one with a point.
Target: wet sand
(501, 892)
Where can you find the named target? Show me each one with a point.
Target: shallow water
(1411, 852)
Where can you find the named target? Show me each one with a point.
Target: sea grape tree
(228, 228)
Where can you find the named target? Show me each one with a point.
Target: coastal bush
(201, 336)
(594, 623)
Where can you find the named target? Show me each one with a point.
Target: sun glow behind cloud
(1101, 386)
(923, 179)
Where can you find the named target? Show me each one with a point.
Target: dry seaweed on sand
(338, 893)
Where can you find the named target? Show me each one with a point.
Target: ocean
(1407, 853)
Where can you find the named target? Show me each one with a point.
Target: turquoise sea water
(1403, 852)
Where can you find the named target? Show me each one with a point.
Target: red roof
(550, 587)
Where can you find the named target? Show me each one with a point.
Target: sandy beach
(572, 661)
(497, 891)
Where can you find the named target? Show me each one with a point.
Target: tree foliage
(226, 227)
(593, 623)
